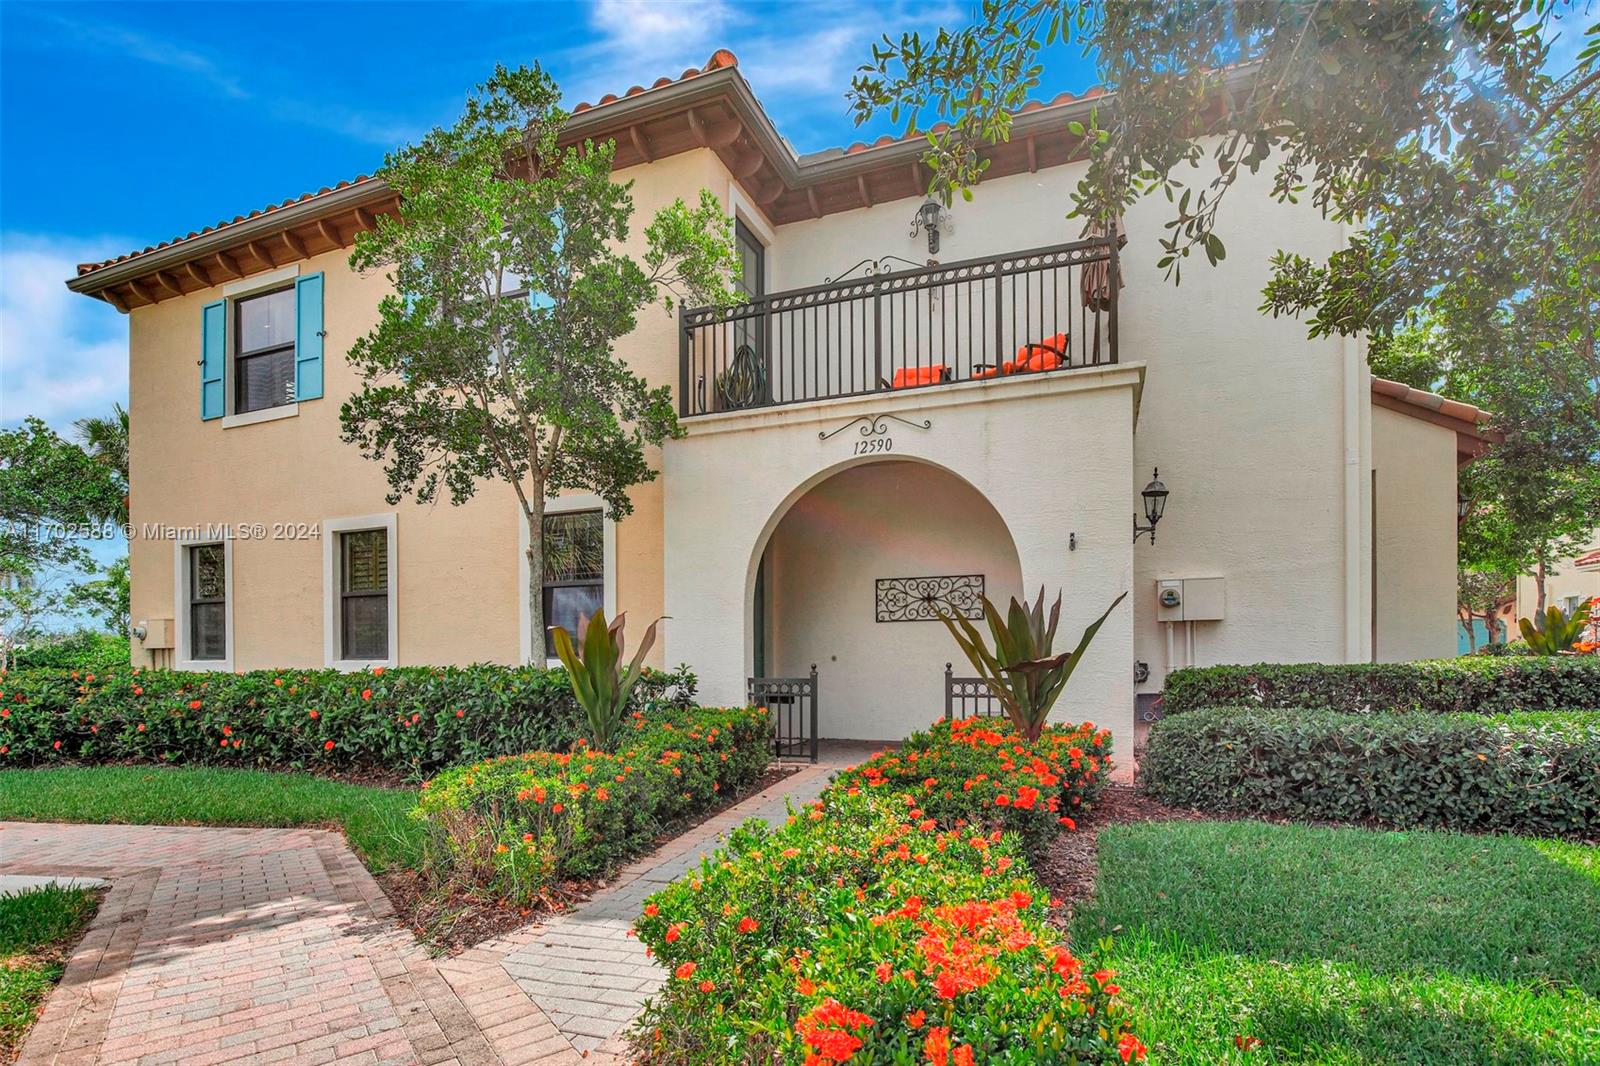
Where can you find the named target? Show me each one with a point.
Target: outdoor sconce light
(1155, 504)
(1463, 507)
(931, 216)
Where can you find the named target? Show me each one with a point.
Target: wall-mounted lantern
(1155, 504)
(1463, 507)
(931, 216)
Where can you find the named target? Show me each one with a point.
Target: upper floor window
(752, 261)
(264, 350)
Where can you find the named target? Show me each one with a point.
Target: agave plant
(1557, 631)
(1023, 671)
(598, 677)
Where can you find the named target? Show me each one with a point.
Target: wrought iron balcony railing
(1024, 312)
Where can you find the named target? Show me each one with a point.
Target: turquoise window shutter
(213, 352)
(308, 338)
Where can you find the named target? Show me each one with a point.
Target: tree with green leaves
(493, 358)
(1479, 595)
(51, 491)
(105, 438)
(106, 596)
(1414, 121)
(1466, 168)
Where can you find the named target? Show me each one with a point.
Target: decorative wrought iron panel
(922, 599)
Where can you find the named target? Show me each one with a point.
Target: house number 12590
(873, 445)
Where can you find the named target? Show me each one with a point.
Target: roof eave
(140, 265)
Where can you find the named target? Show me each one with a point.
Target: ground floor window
(208, 602)
(364, 594)
(574, 570)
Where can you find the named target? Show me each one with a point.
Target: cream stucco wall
(1261, 435)
(733, 478)
(1563, 582)
(457, 587)
(1265, 439)
(882, 519)
(1414, 470)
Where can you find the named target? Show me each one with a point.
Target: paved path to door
(276, 945)
(584, 970)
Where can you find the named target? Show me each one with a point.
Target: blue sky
(123, 125)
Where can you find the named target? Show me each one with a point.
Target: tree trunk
(534, 516)
(1472, 634)
(1539, 603)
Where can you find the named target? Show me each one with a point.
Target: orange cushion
(1043, 355)
(907, 376)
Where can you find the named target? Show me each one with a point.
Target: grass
(374, 819)
(36, 928)
(1344, 946)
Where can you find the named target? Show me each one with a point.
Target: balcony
(1032, 312)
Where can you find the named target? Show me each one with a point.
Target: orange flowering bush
(862, 931)
(981, 771)
(411, 720)
(518, 824)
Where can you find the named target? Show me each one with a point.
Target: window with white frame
(360, 617)
(364, 594)
(264, 350)
(574, 570)
(207, 583)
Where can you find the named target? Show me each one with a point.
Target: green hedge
(895, 920)
(517, 825)
(412, 720)
(84, 650)
(1473, 685)
(1528, 773)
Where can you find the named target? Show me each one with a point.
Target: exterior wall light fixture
(931, 217)
(1155, 504)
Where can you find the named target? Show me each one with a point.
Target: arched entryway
(846, 577)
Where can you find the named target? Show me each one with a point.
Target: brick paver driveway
(275, 945)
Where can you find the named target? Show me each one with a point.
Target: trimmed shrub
(869, 928)
(83, 650)
(411, 720)
(1529, 773)
(1471, 685)
(980, 770)
(516, 825)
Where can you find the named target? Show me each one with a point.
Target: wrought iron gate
(793, 703)
(969, 697)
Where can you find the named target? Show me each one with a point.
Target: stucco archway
(812, 588)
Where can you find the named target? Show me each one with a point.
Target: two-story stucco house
(892, 422)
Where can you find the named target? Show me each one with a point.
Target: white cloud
(799, 57)
(62, 355)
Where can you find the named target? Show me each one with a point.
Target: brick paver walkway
(584, 970)
(276, 945)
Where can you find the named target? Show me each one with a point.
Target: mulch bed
(1068, 868)
(450, 920)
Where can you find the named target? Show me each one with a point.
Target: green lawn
(374, 819)
(35, 929)
(1350, 946)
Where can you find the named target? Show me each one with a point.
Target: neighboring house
(1566, 585)
(851, 453)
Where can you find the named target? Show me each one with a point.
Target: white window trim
(180, 597)
(741, 208)
(565, 505)
(331, 529)
(232, 293)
